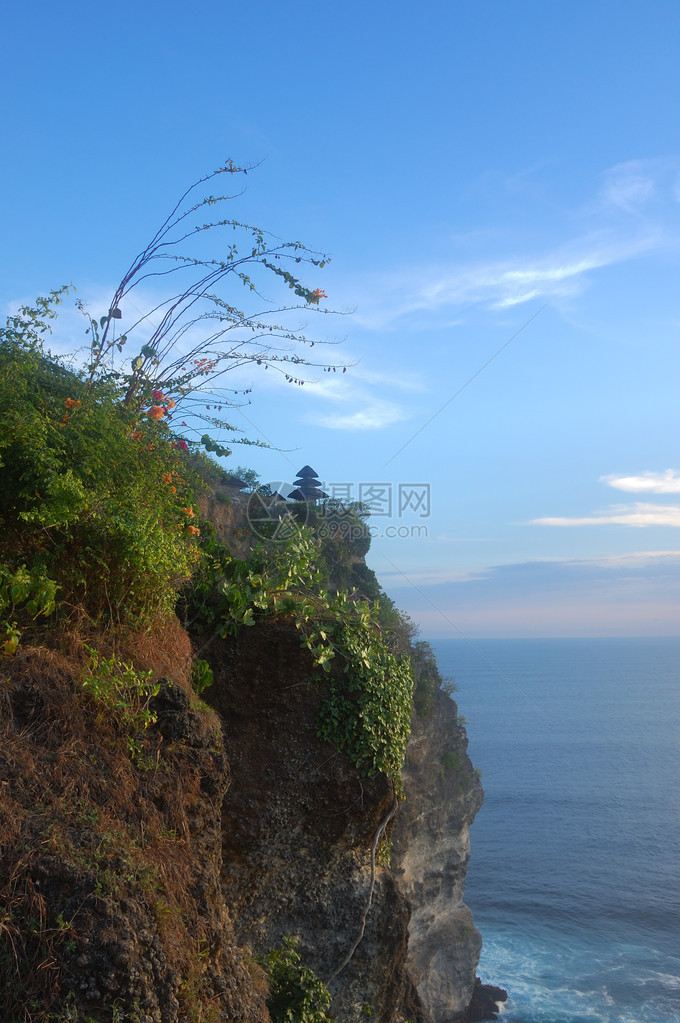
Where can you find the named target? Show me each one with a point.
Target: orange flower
(318, 294)
(156, 412)
(71, 403)
(193, 531)
(171, 403)
(189, 512)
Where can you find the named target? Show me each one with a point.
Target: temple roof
(306, 494)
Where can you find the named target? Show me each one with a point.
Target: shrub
(95, 500)
(23, 590)
(427, 678)
(451, 762)
(201, 675)
(124, 692)
(296, 994)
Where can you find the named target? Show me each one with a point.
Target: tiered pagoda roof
(307, 486)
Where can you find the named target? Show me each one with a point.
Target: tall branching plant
(97, 489)
(195, 334)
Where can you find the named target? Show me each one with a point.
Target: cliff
(299, 823)
(144, 890)
(430, 854)
(155, 847)
(298, 826)
(169, 860)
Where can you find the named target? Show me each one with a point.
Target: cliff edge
(430, 855)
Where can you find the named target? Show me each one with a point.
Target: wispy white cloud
(626, 216)
(636, 186)
(358, 397)
(499, 284)
(537, 570)
(518, 286)
(636, 559)
(344, 403)
(373, 417)
(504, 285)
(631, 184)
(639, 515)
(667, 482)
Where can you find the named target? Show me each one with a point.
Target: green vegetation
(344, 540)
(120, 689)
(201, 675)
(451, 762)
(28, 590)
(427, 678)
(96, 503)
(296, 994)
(367, 710)
(383, 856)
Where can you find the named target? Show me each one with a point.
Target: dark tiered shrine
(307, 486)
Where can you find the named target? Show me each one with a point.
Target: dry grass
(164, 649)
(89, 838)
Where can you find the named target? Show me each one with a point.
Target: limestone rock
(430, 855)
(298, 824)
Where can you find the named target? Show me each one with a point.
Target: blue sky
(498, 186)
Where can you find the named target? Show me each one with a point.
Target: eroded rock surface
(144, 882)
(298, 825)
(430, 857)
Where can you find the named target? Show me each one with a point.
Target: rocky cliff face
(227, 509)
(298, 827)
(144, 886)
(430, 856)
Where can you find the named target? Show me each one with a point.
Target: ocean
(574, 879)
